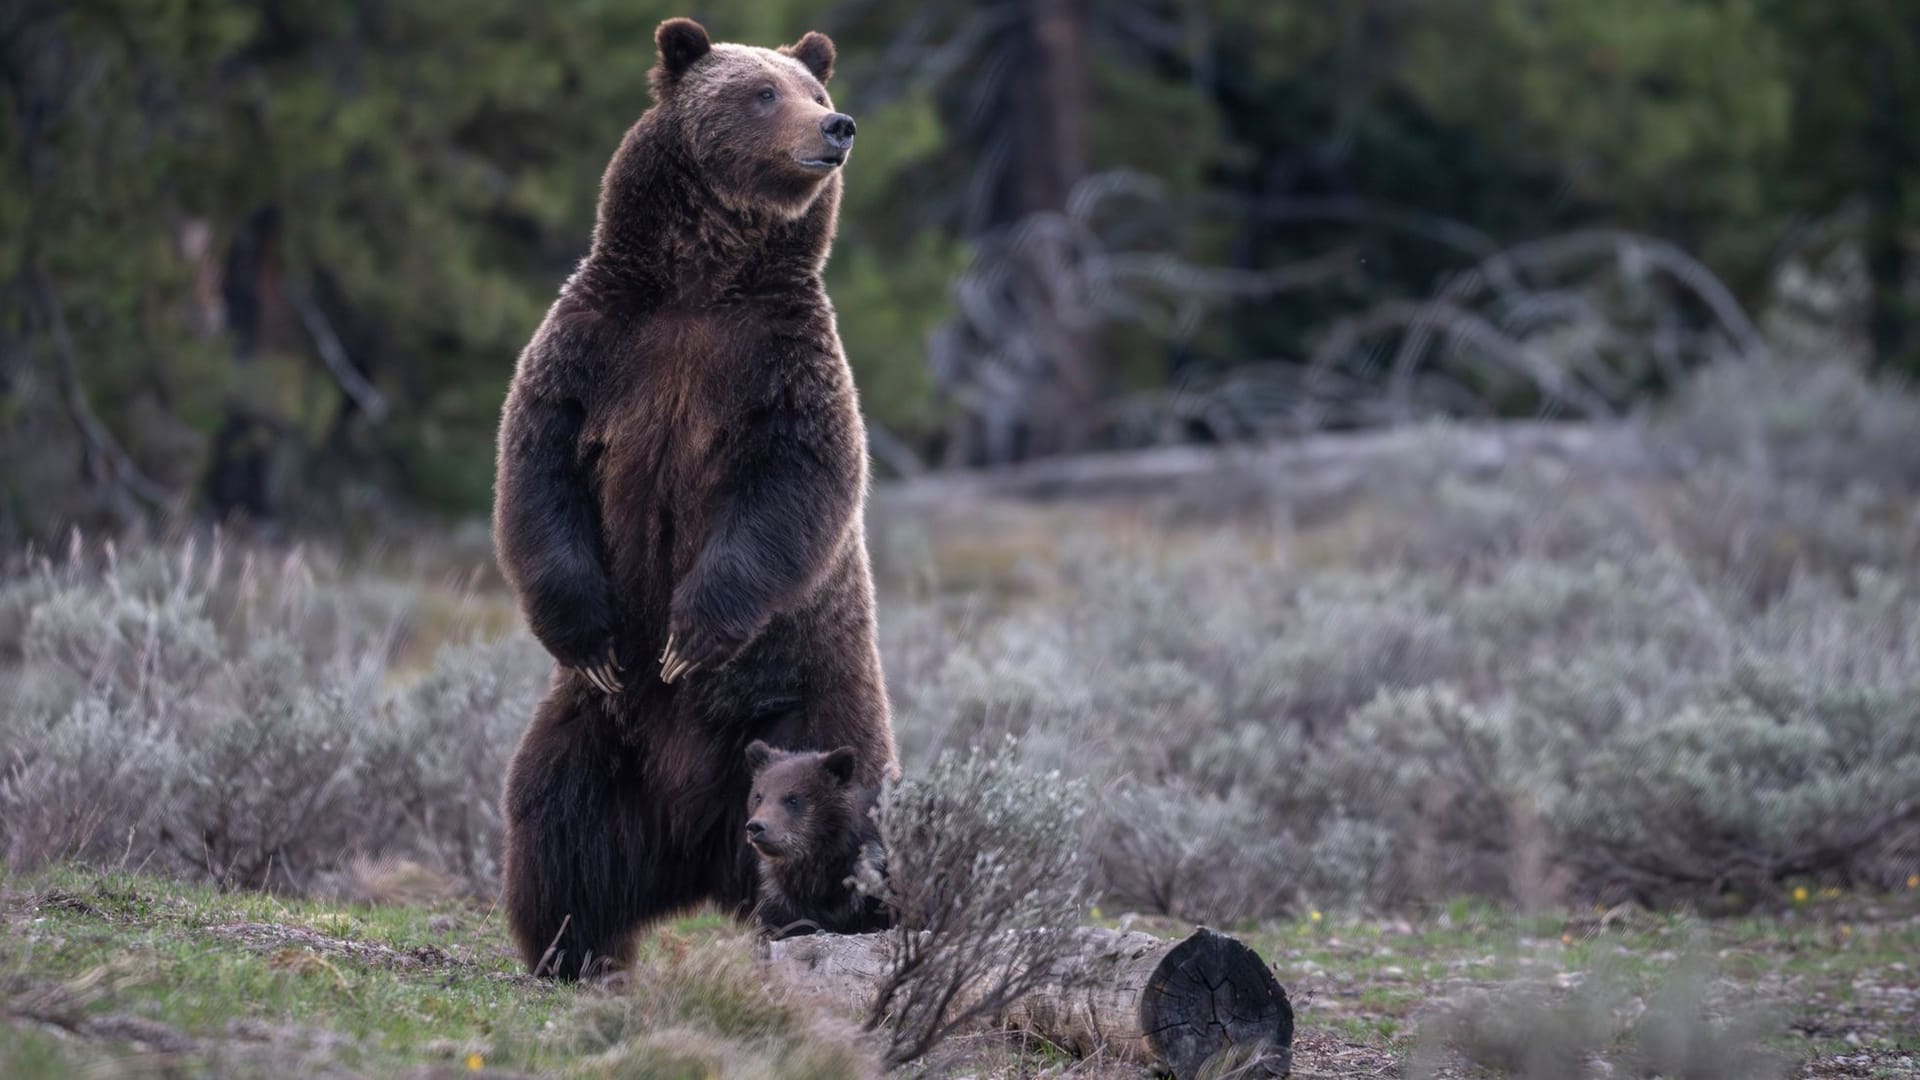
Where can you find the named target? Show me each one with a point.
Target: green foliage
(890, 274)
(1668, 111)
(209, 191)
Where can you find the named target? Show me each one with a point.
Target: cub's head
(757, 122)
(799, 800)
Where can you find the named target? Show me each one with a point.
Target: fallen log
(1168, 1005)
(1312, 468)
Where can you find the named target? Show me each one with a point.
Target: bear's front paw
(604, 675)
(571, 615)
(690, 648)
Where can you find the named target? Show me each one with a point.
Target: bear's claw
(605, 677)
(672, 664)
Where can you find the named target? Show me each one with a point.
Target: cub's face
(797, 799)
(758, 122)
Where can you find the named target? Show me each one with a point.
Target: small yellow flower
(1566, 939)
(1913, 881)
(475, 1062)
(1314, 915)
(1800, 894)
(1845, 930)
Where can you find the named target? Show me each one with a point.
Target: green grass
(263, 985)
(381, 987)
(1830, 977)
(126, 973)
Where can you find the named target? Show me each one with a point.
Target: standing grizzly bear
(814, 832)
(682, 473)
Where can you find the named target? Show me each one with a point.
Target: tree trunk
(1047, 110)
(1169, 1005)
(1888, 317)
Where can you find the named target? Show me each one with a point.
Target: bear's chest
(671, 399)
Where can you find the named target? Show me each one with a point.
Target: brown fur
(812, 827)
(682, 453)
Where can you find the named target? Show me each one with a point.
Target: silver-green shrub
(986, 874)
(1531, 679)
(1502, 681)
(235, 715)
(1751, 791)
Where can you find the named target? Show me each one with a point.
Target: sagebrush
(1526, 681)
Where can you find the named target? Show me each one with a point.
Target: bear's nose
(756, 827)
(838, 128)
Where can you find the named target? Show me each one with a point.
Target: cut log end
(1211, 994)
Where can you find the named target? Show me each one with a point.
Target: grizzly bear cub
(812, 829)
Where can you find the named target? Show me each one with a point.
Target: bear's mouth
(767, 847)
(823, 163)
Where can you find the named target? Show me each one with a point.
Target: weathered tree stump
(1170, 1005)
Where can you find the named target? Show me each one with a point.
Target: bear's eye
(766, 93)
(792, 802)
(819, 99)
(758, 798)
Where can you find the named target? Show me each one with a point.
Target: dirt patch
(290, 946)
(1318, 1054)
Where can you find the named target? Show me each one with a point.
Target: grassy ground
(1830, 984)
(119, 973)
(192, 977)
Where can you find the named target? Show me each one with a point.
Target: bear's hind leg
(570, 889)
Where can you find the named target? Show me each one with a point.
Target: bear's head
(757, 123)
(800, 799)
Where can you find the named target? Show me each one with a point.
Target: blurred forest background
(275, 259)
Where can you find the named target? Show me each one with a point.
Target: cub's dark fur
(813, 829)
(682, 470)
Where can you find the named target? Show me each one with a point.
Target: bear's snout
(765, 842)
(838, 128)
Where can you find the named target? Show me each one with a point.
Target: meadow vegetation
(1547, 739)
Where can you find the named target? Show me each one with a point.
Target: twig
(893, 451)
(333, 353)
(117, 467)
(1465, 326)
(554, 952)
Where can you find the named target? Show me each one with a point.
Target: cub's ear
(680, 42)
(839, 764)
(815, 50)
(758, 754)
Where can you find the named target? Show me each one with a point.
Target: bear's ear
(839, 764)
(758, 754)
(681, 42)
(815, 50)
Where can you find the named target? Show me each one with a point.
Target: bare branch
(108, 460)
(365, 396)
(1466, 328)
